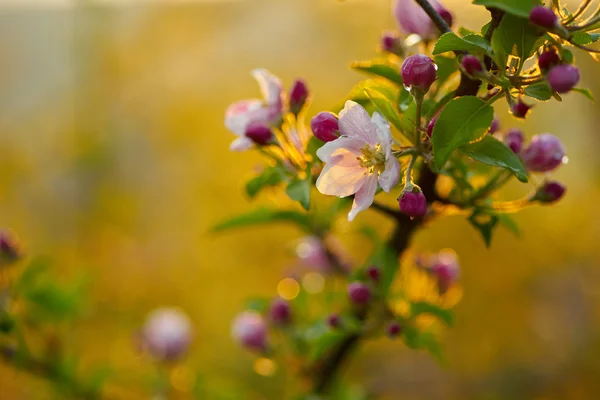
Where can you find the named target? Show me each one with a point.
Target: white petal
(240, 114)
(383, 128)
(364, 197)
(341, 151)
(240, 144)
(270, 86)
(342, 181)
(355, 122)
(390, 177)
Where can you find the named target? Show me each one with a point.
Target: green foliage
(258, 304)
(462, 121)
(485, 223)
(299, 190)
(586, 92)
(471, 43)
(493, 152)
(263, 216)
(384, 106)
(422, 340)
(584, 38)
(539, 91)
(517, 37)
(271, 176)
(520, 8)
(380, 68)
(422, 307)
(446, 67)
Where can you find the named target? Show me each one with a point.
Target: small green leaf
(520, 8)
(426, 340)
(265, 216)
(463, 120)
(258, 304)
(491, 151)
(485, 224)
(586, 92)
(509, 223)
(357, 93)
(471, 44)
(271, 176)
(443, 314)
(385, 108)
(515, 37)
(584, 38)
(540, 91)
(446, 67)
(322, 339)
(566, 55)
(299, 190)
(380, 68)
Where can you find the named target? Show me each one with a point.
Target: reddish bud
(446, 16)
(548, 59)
(544, 154)
(298, 96)
(563, 78)
(259, 133)
(520, 109)
(472, 65)
(325, 126)
(418, 72)
(393, 329)
(359, 293)
(550, 192)
(391, 43)
(495, 126)
(374, 273)
(446, 271)
(412, 203)
(543, 17)
(250, 330)
(430, 126)
(281, 312)
(514, 140)
(9, 249)
(334, 321)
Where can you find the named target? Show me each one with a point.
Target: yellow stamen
(373, 158)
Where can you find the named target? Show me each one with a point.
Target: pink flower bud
(413, 204)
(250, 330)
(281, 312)
(412, 19)
(445, 270)
(430, 126)
(391, 43)
(167, 334)
(544, 154)
(550, 192)
(359, 293)
(543, 17)
(334, 321)
(374, 273)
(547, 60)
(563, 78)
(514, 140)
(472, 65)
(393, 329)
(9, 249)
(259, 133)
(419, 72)
(495, 126)
(520, 109)
(325, 126)
(445, 14)
(298, 96)
(311, 252)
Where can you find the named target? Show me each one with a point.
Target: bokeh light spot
(264, 366)
(313, 282)
(183, 378)
(288, 288)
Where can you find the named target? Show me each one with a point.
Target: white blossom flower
(167, 333)
(254, 111)
(359, 159)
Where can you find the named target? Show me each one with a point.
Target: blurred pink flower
(359, 159)
(249, 329)
(268, 111)
(167, 333)
(412, 19)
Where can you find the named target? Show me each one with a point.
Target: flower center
(373, 158)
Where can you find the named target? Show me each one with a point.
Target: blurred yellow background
(114, 162)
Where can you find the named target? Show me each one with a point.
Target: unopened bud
(550, 192)
(393, 329)
(545, 153)
(413, 203)
(250, 330)
(446, 271)
(514, 140)
(418, 72)
(543, 17)
(374, 273)
(495, 126)
(325, 126)
(520, 109)
(548, 59)
(359, 293)
(472, 65)
(298, 96)
(563, 78)
(281, 312)
(334, 321)
(259, 133)
(391, 43)
(167, 334)
(9, 249)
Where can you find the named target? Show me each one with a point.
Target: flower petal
(240, 144)
(240, 114)
(383, 129)
(364, 197)
(342, 181)
(341, 151)
(390, 177)
(355, 122)
(412, 19)
(270, 86)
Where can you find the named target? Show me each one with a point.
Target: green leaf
(540, 91)
(426, 340)
(485, 224)
(584, 38)
(515, 37)
(443, 314)
(493, 152)
(566, 55)
(265, 216)
(385, 108)
(299, 190)
(380, 68)
(322, 339)
(446, 67)
(471, 44)
(357, 93)
(521, 8)
(586, 92)
(463, 120)
(509, 223)
(271, 176)
(258, 304)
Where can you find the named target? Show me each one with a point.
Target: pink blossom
(268, 111)
(359, 159)
(167, 333)
(412, 19)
